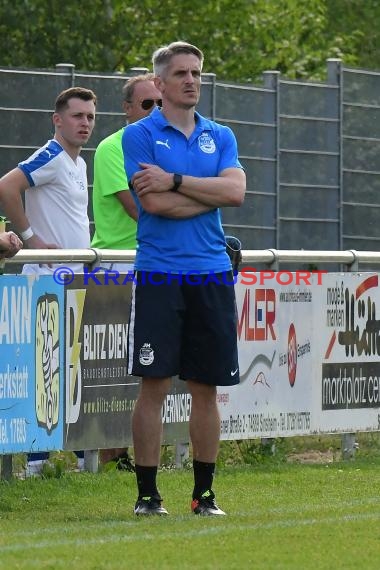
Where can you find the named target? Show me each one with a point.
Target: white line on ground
(186, 533)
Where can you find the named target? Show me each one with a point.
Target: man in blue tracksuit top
(182, 168)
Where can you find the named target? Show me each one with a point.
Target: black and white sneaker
(149, 506)
(206, 506)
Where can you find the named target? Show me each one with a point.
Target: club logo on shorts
(146, 354)
(206, 143)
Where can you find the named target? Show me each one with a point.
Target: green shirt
(114, 228)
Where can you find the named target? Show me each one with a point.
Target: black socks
(203, 477)
(146, 481)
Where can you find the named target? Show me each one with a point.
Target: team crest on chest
(206, 143)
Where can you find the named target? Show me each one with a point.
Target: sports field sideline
(279, 517)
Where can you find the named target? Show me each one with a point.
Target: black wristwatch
(177, 179)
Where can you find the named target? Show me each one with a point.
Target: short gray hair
(163, 55)
(129, 86)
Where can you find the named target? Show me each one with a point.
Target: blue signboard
(31, 364)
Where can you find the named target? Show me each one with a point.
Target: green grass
(280, 516)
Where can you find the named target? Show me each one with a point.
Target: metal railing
(93, 256)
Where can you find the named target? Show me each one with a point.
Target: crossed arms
(195, 196)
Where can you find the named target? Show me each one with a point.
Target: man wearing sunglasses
(183, 168)
(115, 212)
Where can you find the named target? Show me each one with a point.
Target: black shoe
(206, 506)
(149, 506)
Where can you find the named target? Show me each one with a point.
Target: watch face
(177, 181)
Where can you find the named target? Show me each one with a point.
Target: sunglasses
(148, 103)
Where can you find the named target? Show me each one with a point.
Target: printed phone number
(13, 431)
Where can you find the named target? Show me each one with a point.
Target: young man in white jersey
(55, 178)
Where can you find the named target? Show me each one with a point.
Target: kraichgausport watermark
(250, 276)
(101, 276)
(247, 276)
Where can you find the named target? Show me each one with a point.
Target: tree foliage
(357, 20)
(240, 39)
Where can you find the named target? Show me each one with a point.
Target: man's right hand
(36, 242)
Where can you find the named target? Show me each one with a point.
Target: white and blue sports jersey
(56, 202)
(180, 245)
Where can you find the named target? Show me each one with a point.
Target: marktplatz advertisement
(349, 387)
(308, 355)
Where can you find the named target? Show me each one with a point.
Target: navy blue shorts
(184, 325)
